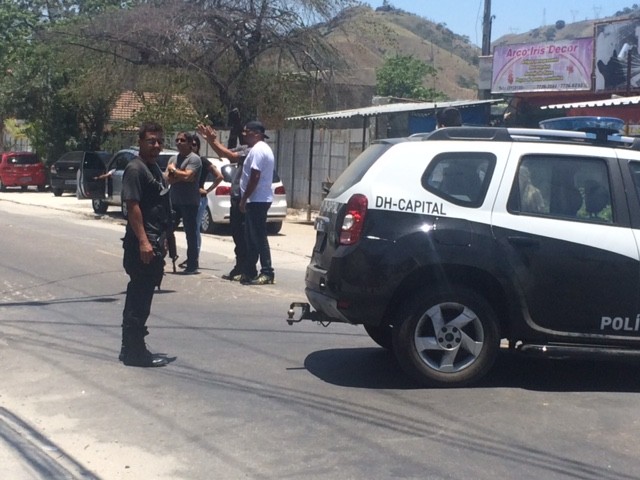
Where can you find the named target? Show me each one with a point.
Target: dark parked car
(64, 172)
(21, 169)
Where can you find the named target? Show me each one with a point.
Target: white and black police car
(443, 245)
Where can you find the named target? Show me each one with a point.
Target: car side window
(634, 167)
(574, 188)
(461, 177)
(121, 160)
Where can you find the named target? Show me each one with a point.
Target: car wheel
(447, 338)
(3, 187)
(382, 335)
(24, 188)
(99, 205)
(273, 228)
(208, 225)
(42, 188)
(125, 212)
(57, 192)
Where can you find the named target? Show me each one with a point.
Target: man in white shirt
(255, 201)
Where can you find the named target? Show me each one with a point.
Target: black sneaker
(190, 271)
(144, 359)
(234, 275)
(263, 279)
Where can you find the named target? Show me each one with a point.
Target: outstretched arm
(211, 136)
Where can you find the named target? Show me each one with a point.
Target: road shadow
(377, 368)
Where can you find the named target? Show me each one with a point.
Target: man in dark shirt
(236, 217)
(207, 168)
(148, 207)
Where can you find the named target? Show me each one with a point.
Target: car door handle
(523, 241)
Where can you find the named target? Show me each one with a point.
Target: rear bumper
(68, 184)
(345, 301)
(21, 179)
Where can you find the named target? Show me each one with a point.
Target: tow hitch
(306, 314)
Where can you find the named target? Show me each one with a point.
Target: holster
(158, 243)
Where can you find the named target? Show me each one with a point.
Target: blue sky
(464, 17)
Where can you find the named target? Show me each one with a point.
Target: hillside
(364, 38)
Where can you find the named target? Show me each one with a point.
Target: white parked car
(219, 201)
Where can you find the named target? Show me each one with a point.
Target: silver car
(108, 192)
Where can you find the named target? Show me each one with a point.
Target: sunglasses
(152, 141)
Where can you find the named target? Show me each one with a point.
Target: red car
(21, 169)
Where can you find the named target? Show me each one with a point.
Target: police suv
(443, 244)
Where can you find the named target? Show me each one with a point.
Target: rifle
(171, 245)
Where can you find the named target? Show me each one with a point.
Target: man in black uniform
(148, 206)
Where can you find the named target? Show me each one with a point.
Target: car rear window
(354, 172)
(228, 172)
(23, 160)
(460, 177)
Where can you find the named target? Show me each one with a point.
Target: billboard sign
(617, 58)
(563, 65)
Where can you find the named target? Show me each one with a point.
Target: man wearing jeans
(256, 198)
(183, 173)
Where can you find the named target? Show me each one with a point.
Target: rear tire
(447, 339)
(3, 187)
(99, 205)
(57, 192)
(24, 188)
(382, 335)
(42, 188)
(273, 228)
(208, 225)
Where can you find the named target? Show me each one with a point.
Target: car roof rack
(594, 136)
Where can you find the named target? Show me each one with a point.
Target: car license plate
(25, 179)
(70, 182)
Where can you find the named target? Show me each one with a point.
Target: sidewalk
(70, 203)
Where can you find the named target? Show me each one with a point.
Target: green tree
(218, 47)
(403, 76)
(59, 93)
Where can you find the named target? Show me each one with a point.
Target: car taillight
(280, 190)
(223, 190)
(353, 220)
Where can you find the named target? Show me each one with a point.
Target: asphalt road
(248, 396)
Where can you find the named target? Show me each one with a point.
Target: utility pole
(486, 42)
(486, 28)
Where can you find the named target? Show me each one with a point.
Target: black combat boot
(134, 352)
(123, 347)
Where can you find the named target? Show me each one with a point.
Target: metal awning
(607, 102)
(391, 108)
